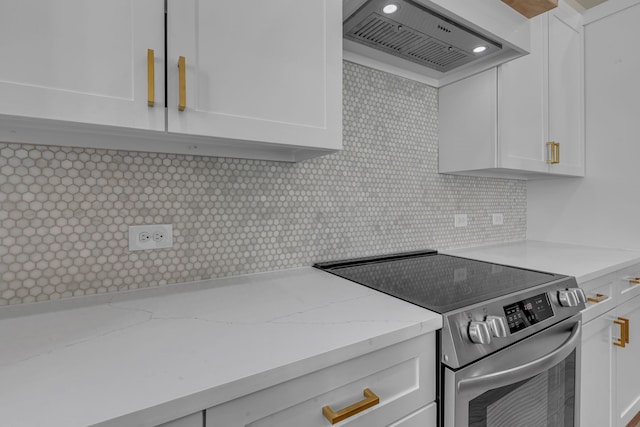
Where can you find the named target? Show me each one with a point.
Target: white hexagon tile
(65, 212)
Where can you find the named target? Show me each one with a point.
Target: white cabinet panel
(597, 372)
(522, 98)
(627, 372)
(81, 61)
(467, 121)
(424, 417)
(566, 92)
(258, 71)
(193, 420)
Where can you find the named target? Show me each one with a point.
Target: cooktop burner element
(440, 283)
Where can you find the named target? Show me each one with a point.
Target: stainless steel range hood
(424, 37)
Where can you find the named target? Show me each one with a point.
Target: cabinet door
(265, 71)
(597, 372)
(80, 61)
(522, 99)
(566, 88)
(628, 374)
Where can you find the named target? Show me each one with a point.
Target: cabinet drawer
(402, 376)
(628, 281)
(614, 289)
(601, 296)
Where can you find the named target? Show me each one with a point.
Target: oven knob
(567, 298)
(498, 327)
(580, 296)
(479, 333)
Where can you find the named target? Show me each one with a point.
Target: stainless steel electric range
(509, 349)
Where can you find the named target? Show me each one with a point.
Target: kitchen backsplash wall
(65, 212)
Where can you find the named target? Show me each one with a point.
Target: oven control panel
(527, 312)
(476, 331)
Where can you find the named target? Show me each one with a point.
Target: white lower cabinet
(402, 376)
(627, 379)
(193, 420)
(610, 378)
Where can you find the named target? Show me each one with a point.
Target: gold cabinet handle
(634, 281)
(598, 298)
(370, 399)
(151, 78)
(550, 152)
(182, 77)
(626, 328)
(623, 340)
(553, 149)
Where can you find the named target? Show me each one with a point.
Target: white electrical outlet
(157, 236)
(460, 220)
(497, 218)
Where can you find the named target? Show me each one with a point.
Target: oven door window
(545, 400)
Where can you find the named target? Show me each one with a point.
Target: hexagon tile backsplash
(65, 212)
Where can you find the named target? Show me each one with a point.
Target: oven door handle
(522, 372)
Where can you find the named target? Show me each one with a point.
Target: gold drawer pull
(370, 399)
(598, 298)
(623, 322)
(151, 96)
(634, 281)
(182, 83)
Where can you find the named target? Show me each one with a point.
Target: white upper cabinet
(260, 79)
(541, 99)
(525, 118)
(80, 61)
(566, 91)
(259, 71)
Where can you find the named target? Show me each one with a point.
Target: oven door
(533, 383)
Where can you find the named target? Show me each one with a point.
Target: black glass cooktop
(440, 283)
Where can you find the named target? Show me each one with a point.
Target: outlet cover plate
(460, 220)
(137, 244)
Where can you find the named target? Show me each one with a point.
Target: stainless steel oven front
(513, 361)
(533, 383)
(509, 348)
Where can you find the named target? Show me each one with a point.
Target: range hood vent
(418, 34)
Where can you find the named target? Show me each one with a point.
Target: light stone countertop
(583, 262)
(152, 356)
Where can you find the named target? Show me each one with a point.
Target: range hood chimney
(423, 33)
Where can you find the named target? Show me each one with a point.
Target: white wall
(604, 207)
